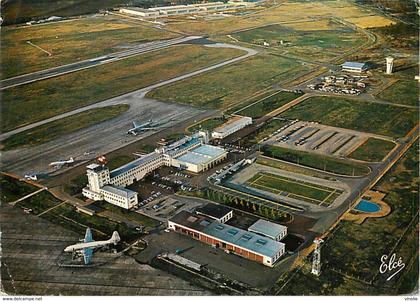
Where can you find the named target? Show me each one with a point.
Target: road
(139, 94)
(90, 63)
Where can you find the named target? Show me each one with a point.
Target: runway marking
(36, 46)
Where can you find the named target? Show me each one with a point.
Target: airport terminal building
(189, 153)
(231, 239)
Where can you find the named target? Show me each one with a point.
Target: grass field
(290, 167)
(69, 42)
(402, 92)
(61, 94)
(224, 87)
(130, 215)
(300, 190)
(316, 161)
(373, 150)
(268, 104)
(208, 124)
(354, 114)
(13, 189)
(61, 127)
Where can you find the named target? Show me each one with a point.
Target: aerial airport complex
(237, 147)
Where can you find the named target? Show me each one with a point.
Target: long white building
(176, 10)
(231, 126)
(190, 153)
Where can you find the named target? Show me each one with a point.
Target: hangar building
(354, 67)
(240, 242)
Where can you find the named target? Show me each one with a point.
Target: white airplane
(147, 126)
(32, 176)
(60, 163)
(86, 247)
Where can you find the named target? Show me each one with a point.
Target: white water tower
(389, 64)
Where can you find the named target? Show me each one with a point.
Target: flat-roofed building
(269, 229)
(137, 11)
(231, 126)
(190, 153)
(201, 158)
(217, 212)
(240, 242)
(354, 67)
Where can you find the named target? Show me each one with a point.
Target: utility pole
(316, 263)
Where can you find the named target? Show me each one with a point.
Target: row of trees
(246, 205)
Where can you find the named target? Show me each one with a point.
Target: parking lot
(315, 137)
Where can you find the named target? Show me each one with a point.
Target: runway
(98, 139)
(85, 64)
(141, 92)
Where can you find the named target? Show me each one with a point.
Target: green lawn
(373, 150)
(402, 92)
(355, 114)
(231, 85)
(61, 127)
(295, 189)
(13, 189)
(43, 99)
(130, 215)
(268, 104)
(320, 162)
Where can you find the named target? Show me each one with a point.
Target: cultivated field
(224, 87)
(355, 114)
(373, 150)
(304, 191)
(371, 21)
(70, 91)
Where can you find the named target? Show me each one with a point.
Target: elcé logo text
(388, 265)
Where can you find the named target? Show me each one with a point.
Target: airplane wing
(87, 254)
(88, 235)
(135, 124)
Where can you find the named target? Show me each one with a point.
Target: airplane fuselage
(93, 244)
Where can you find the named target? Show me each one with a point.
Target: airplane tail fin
(115, 238)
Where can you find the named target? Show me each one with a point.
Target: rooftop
(354, 65)
(202, 154)
(238, 237)
(133, 164)
(213, 210)
(267, 228)
(119, 191)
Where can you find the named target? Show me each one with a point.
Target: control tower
(389, 64)
(316, 263)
